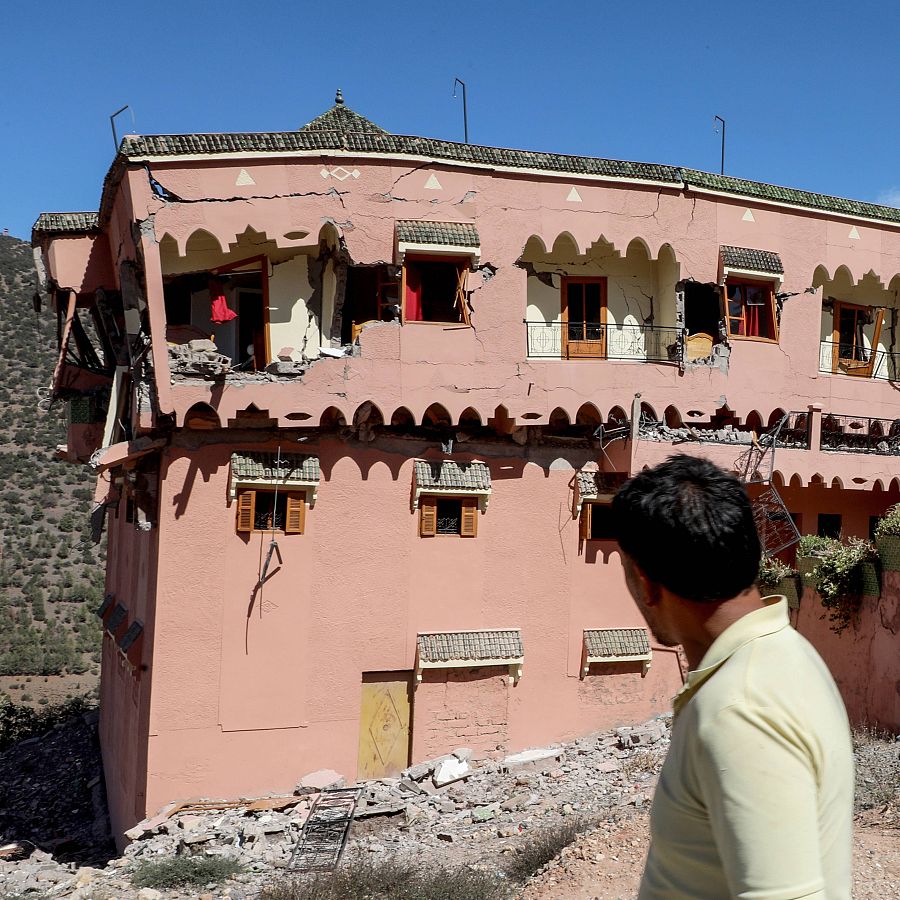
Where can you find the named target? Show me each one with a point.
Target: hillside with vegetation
(51, 574)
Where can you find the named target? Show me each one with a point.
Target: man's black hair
(689, 526)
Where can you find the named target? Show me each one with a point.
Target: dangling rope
(273, 544)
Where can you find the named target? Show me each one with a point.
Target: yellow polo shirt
(755, 799)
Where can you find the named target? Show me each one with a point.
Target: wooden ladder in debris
(325, 832)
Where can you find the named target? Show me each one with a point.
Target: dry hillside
(51, 575)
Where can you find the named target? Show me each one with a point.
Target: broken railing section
(325, 831)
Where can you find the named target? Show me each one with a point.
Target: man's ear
(651, 593)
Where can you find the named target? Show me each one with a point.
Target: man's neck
(702, 623)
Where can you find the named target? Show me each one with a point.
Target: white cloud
(890, 197)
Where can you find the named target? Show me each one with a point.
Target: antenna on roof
(716, 129)
(112, 124)
(457, 81)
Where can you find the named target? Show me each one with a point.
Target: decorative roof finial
(339, 98)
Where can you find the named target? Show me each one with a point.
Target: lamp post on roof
(459, 81)
(716, 128)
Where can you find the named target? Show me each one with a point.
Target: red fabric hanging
(413, 311)
(219, 311)
(753, 320)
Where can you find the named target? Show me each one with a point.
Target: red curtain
(753, 314)
(413, 312)
(219, 311)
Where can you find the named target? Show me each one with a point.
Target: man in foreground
(755, 798)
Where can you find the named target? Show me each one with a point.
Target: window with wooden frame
(584, 317)
(434, 289)
(750, 309)
(850, 353)
(448, 516)
(262, 510)
(596, 522)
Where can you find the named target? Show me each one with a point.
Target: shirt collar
(771, 618)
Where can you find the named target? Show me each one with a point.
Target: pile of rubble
(659, 431)
(457, 808)
(198, 357)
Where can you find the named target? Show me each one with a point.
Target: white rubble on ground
(464, 806)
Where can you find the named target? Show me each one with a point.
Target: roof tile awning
(468, 649)
(437, 237)
(291, 470)
(67, 223)
(593, 486)
(744, 259)
(610, 645)
(452, 478)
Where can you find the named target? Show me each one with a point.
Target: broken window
(854, 350)
(597, 523)
(702, 318)
(262, 510)
(435, 290)
(751, 309)
(372, 295)
(227, 306)
(448, 515)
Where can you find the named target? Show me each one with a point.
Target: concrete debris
(198, 357)
(286, 367)
(659, 431)
(457, 809)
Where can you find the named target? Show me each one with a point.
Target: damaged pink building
(358, 403)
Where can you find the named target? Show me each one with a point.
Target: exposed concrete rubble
(460, 807)
(198, 357)
(659, 431)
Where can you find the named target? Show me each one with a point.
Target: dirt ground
(53, 689)
(606, 864)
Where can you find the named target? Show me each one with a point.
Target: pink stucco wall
(248, 695)
(864, 658)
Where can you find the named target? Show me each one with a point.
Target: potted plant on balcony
(811, 550)
(887, 539)
(776, 577)
(841, 580)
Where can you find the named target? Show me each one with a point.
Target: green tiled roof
(455, 646)
(342, 119)
(458, 234)
(448, 475)
(614, 642)
(66, 223)
(292, 467)
(742, 188)
(753, 260)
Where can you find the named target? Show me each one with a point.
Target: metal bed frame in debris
(324, 837)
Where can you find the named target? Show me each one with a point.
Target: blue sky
(810, 91)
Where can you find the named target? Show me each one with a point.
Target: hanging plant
(839, 578)
(776, 577)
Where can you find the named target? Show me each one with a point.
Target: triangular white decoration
(574, 196)
(854, 234)
(433, 184)
(748, 216)
(244, 178)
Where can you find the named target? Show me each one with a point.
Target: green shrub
(889, 524)
(813, 545)
(180, 871)
(771, 571)
(392, 879)
(839, 580)
(18, 723)
(544, 845)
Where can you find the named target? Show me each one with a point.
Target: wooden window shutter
(461, 274)
(585, 523)
(295, 513)
(468, 526)
(246, 510)
(427, 517)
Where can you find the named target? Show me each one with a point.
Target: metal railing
(861, 362)
(860, 434)
(593, 340)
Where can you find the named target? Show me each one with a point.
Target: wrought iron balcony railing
(847, 359)
(592, 340)
(860, 434)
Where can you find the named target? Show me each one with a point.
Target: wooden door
(583, 318)
(384, 733)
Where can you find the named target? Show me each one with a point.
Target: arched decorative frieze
(559, 419)
(648, 412)
(367, 413)
(470, 418)
(796, 481)
(673, 417)
(402, 418)
(436, 416)
(588, 415)
(332, 417)
(201, 416)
